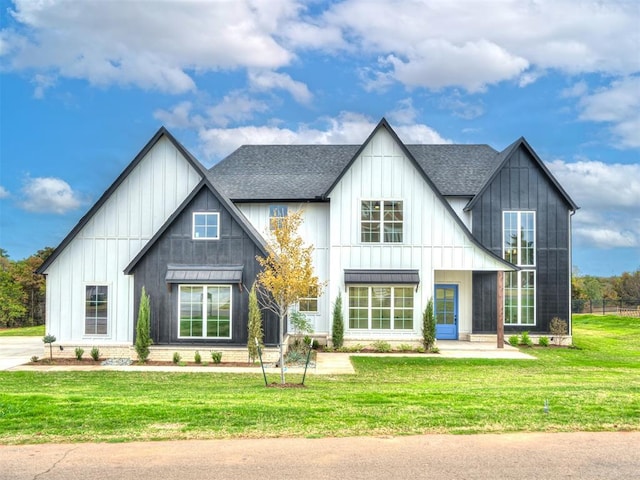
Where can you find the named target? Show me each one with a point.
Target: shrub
(315, 344)
(428, 327)
(254, 326)
(420, 349)
(513, 340)
(95, 353)
(34, 359)
(143, 327)
(176, 358)
(300, 323)
(381, 346)
(337, 334)
(196, 357)
(525, 339)
(48, 338)
(403, 347)
(434, 350)
(558, 328)
(216, 357)
(79, 352)
(543, 341)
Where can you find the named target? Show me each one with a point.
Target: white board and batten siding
(313, 231)
(111, 238)
(432, 238)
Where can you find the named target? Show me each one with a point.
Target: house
(393, 225)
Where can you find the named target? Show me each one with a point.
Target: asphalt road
(15, 351)
(509, 456)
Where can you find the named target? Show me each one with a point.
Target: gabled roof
(308, 172)
(235, 213)
(504, 156)
(105, 196)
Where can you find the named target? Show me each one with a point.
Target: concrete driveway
(583, 456)
(15, 351)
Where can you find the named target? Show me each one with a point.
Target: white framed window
(309, 304)
(206, 226)
(96, 310)
(276, 214)
(520, 298)
(519, 238)
(204, 311)
(519, 248)
(381, 307)
(381, 221)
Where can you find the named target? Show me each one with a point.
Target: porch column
(500, 310)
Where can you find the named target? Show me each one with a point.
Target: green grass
(593, 387)
(37, 331)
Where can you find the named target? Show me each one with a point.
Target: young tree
(255, 326)
(428, 327)
(337, 334)
(287, 273)
(143, 328)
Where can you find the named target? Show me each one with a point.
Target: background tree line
(22, 292)
(622, 290)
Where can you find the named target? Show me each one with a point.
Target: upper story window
(206, 226)
(381, 221)
(276, 214)
(519, 238)
(96, 309)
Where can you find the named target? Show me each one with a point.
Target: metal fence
(605, 306)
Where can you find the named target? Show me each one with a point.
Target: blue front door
(445, 311)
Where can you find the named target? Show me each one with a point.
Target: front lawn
(594, 387)
(37, 331)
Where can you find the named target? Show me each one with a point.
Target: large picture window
(205, 311)
(381, 221)
(96, 309)
(519, 247)
(206, 226)
(381, 308)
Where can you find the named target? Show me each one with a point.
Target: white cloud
(49, 194)
(609, 195)
(618, 105)
(179, 116)
(347, 128)
(4, 193)
(267, 80)
(235, 107)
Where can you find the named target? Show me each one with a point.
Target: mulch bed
(91, 362)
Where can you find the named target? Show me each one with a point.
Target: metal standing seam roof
(306, 172)
(211, 274)
(411, 277)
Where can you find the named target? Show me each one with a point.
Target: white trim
(205, 287)
(110, 302)
(193, 225)
(518, 230)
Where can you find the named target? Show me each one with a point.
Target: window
(276, 214)
(309, 304)
(519, 238)
(381, 221)
(205, 226)
(381, 308)
(96, 309)
(205, 311)
(519, 245)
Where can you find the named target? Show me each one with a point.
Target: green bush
(48, 338)
(176, 358)
(143, 328)
(543, 341)
(403, 347)
(514, 340)
(525, 339)
(95, 353)
(79, 352)
(197, 358)
(254, 326)
(216, 357)
(337, 334)
(34, 359)
(381, 346)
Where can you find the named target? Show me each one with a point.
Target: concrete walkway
(326, 363)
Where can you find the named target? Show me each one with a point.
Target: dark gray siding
(522, 185)
(176, 246)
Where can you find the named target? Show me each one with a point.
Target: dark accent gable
(175, 246)
(522, 184)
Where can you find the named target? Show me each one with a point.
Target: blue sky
(85, 84)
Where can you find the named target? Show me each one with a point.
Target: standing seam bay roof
(306, 172)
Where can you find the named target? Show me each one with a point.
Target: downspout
(571, 214)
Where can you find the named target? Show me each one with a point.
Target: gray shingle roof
(305, 172)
